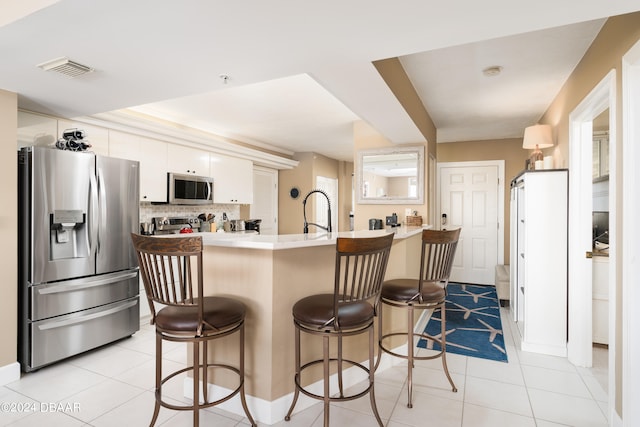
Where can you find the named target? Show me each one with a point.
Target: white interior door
(265, 199)
(329, 186)
(432, 189)
(469, 199)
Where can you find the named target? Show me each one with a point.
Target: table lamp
(537, 137)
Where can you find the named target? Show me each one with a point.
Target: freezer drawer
(64, 336)
(55, 299)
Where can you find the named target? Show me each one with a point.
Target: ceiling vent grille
(65, 66)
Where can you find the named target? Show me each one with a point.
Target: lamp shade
(538, 136)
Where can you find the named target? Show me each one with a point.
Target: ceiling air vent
(65, 66)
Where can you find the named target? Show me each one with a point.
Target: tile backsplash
(149, 210)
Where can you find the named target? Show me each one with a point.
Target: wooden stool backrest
(166, 266)
(438, 252)
(361, 264)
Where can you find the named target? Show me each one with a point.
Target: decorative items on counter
(411, 218)
(414, 221)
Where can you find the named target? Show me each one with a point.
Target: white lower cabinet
(152, 155)
(600, 286)
(539, 244)
(232, 179)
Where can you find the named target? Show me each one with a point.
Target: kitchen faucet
(304, 212)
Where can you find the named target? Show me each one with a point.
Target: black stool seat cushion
(406, 290)
(316, 311)
(220, 312)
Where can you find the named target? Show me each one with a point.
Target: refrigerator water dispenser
(68, 235)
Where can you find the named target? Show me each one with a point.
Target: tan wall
(290, 218)
(396, 78)
(365, 138)
(303, 177)
(8, 227)
(509, 150)
(617, 36)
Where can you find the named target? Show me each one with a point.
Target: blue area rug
(473, 323)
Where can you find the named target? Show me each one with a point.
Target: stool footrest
(332, 398)
(404, 356)
(205, 404)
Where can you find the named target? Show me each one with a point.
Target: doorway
(471, 197)
(265, 199)
(581, 208)
(581, 239)
(432, 189)
(329, 186)
(600, 241)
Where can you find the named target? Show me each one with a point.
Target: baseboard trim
(550, 349)
(272, 412)
(9, 373)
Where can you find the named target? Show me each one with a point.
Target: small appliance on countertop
(392, 221)
(233, 225)
(375, 224)
(252, 224)
(173, 225)
(246, 226)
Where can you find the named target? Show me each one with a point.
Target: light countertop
(292, 241)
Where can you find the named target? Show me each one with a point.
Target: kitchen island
(269, 273)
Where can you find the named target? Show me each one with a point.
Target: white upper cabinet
(187, 160)
(98, 137)
(152, 155)
(232, 179)
(34, 129)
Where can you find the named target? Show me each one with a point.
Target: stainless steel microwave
(189, 189)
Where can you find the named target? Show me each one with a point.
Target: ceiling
(300, 73)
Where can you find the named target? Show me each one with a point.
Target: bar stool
(359, 271)
(429, 291)
(167, 267)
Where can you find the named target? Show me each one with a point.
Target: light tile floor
(113, 387)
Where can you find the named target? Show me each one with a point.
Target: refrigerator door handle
(92, 235)
(76, 285)
(102, 201)
(82, 319)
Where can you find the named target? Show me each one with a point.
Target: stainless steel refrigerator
(78, 276)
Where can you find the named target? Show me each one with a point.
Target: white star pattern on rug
(468, 311)
(493, 332)
(474, 327)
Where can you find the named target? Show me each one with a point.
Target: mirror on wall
(390, 176)
(601, 147)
